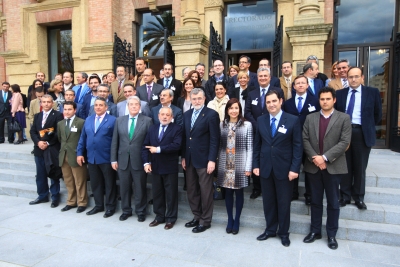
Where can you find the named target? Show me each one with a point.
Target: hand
(293, 175)
(247, 173)
(322, 166)
(80, 160)
(256, 171)
(152, 149)
(114, 166)
(210, 167)
(42, 145)
(183, 163)
(147, 168)
(318, 160)
(13, 115)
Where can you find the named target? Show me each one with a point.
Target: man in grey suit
(104, 91)
(126, 148)
(122, 107)
(150, 91)
(326, 136)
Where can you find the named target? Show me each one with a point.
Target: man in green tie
(129, 133)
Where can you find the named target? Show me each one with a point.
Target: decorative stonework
(309, 13)
(3, 24)
(153, 5)
(213, 3)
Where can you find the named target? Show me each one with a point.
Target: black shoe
(32, 152)
(108, 213)
(54, 204)
(343, 202)
(80, 209)
(295, 198)
(360, 205)
(68, 207)
(141, 218)
(311, 237)
(38, 201)
(192, 223)
(235, 231)
(124, 216)
(25, 140)
(19, 142)
(285, 241)
(200, 228)
(255, 194)
(150, 202)
(184, 187)
(229, 227)
(307, 200)
(265, 236)
(332, 243)
(94, 211)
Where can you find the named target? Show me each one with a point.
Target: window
(60, 50)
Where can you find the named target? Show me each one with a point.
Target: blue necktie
(312, 85)
(263, 99)
(78, 94)
(273, 127)
(166, 83)
(5, 97)
(299, 105)
(97, 124)
(194, 117)
(350, 107)
(161, 133)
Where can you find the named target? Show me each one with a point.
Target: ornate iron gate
(169, 55)
(123, 55)
(277, 53)
(216, 49)
(394, 139)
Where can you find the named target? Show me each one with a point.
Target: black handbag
(219, 192)
(14, 126)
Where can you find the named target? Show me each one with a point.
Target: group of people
(227, 128)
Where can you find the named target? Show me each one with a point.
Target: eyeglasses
(356, 77)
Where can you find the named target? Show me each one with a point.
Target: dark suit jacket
(371, 110)
(290, 107)
(245, 93)
(281, 153)
(112, 109)
(165, 162)
(181, 102)
(141, 92)
(252, 112)
(125, 150)
(86, 104)
(177, 112)
(175, 85)
(78, 113)
(253, 82)
(318, 84)
(97, 145)
(201, 144)
(5, 108)
(51, 121)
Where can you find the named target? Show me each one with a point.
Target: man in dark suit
(301, 104)
(44, 136)
(170, 82)
(126, 148)
(5, 109)
(122, 107)
(166, 97)
(69, 95)
(39, 76)
(275, 82)
(244, 65)
(200, 68)
(68, 81)
(255, 107)
(160, 155)
(103, 91)
(364, 106)
(218, 76)
(68, 133)
(199, 153)
(277, 154)
(320, 75)
(310, 70)
(326, 136)
(149, 91)
(95, 142)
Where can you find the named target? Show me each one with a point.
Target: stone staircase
(379, 224)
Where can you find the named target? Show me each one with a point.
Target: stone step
(17, 164)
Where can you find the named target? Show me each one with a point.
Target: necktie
(5, 97)
(300, 105)
(45, 115)
(345, 84)
(161, 133)
(288, 82)
(119, 86)
(263, 99)
(194, 117)
(273, 127)
(166, 83)
(67, 130)
(97, 123)
(78, 94)
(132, 128)
(312, 86)
(352, 101)
(149, 92)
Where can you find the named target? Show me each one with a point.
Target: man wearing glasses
(103, 91)
(244, 65)
(218, 76)
(150, 90)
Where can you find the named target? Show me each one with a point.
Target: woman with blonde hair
(334, 73)
(57, 92)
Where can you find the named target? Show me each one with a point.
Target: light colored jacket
(219, 106)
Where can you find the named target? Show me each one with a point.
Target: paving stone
(165, 261)
(368, 252)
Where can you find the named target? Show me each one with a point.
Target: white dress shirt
(356, 117)
(303, 101)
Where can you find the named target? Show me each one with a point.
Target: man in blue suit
(311, 71)
(277, 154)
(199, 153)
(300, 105)
(364, 106)
(160, 156)
(166, 98)
(82, 88)
(255, 107)
(95, 141)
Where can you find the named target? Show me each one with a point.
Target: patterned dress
(229, 181)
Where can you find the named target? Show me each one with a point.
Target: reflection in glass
(351, 56)
(60, 51)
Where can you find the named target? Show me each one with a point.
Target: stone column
(213, 12)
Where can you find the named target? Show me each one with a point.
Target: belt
(355, 126)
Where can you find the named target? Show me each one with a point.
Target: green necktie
(67, 129)
(132, 129)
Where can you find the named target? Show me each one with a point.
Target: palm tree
(155, 31)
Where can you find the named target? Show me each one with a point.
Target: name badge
(172, 87)
(172, 120)
(155, 97)
(237, 85)
(282, 129)
(311, 108)
(254, 102)
(74, 129)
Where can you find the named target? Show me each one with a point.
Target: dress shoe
(235, 231)
(360, 205)
(184, 187)
(343, 202)
(141, 218)
(54, 204)
(169, 225)
(235, 228)
(255, 194)
(265, 236)
(68, 207)
(124, 216)
(307, 200)
(311, 237)
(150, 202)
(285, 241)
(38, 201)
(332, 243)
(192, 223)
(229, 226)
(155, 223)
(80, 209)
(108, 213)
(94, 211)
(200, 228)
(295, 198)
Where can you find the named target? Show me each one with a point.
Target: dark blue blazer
(281, 153)
(253, 82)
(177, 114)
(78, 112)
(371, 110)
(290, 107)
(252, 112)
(97, 145)
(200, 144)
(318, 84)
(167, 161)
(86, 104)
